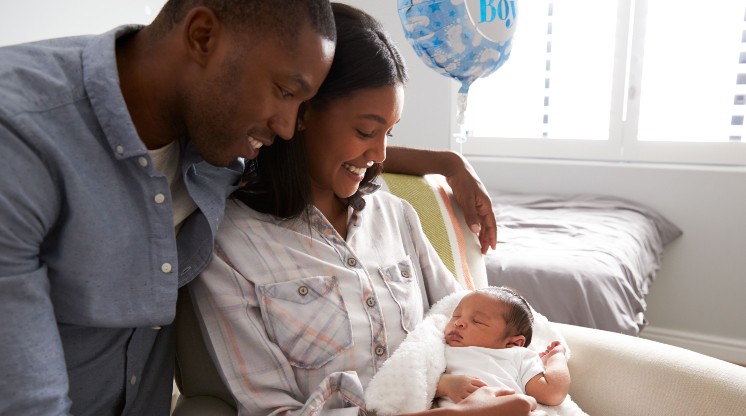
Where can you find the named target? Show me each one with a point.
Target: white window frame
(622, 145)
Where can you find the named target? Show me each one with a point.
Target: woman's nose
(377, 152)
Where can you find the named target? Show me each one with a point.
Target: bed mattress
(585, 260)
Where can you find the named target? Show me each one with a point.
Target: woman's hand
(467, 189)
(490, 401)
(473, 198)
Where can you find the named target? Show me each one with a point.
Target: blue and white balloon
(461, 39)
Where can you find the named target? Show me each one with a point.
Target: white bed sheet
(585, 260)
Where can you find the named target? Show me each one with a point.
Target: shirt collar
(101, 81)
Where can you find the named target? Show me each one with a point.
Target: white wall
(697, 301)
(425, 87)
(29, 20)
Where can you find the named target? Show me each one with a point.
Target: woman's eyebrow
(374, 117)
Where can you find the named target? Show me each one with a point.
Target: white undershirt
(167, 161)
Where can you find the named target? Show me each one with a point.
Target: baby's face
(477, 321)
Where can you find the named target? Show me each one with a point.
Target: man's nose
(283, 124)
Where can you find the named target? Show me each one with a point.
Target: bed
(585, 260)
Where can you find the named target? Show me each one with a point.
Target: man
(110, 147)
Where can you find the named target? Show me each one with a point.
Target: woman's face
(347, 136)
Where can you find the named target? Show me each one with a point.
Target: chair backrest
(444, 224)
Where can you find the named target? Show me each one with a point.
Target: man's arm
(33, 375)
(465, 183)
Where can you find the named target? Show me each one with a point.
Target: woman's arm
(488, 401)
(465, 183)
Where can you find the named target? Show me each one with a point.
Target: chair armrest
(615, 374)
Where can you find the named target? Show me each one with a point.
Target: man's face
(251, 94)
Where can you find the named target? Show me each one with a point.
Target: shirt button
(303, 291)
(133, 380)
(166, 267)
(380, 351)
(120, 149)
(351, 262)
(159, 198)
(142, 161)
(371, 302)
(405, 274)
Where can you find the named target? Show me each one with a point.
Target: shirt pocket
(307, 319)
(401, 280)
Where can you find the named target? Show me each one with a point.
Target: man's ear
(515, 341)
(202, 32)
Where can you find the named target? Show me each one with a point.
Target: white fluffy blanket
(407, 380)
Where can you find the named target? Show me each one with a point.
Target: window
(621, 80)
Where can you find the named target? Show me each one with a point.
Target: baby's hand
(555, 347)
(458, 388)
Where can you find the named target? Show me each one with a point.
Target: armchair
(612, 374)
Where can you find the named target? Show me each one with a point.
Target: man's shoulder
(39, 75)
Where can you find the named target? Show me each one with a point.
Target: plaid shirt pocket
(401, 280)
(307, 319)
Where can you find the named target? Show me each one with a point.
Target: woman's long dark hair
(277, 182)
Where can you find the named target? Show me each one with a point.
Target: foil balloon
(461, 39)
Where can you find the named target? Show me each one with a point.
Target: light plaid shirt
(299, 319)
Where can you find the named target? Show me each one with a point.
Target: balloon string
(460, 136)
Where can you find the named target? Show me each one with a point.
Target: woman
(316, 279)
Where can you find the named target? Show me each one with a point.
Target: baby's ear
(515, 341)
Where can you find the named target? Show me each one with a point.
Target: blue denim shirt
(89, 263)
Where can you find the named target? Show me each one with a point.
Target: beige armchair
(612, 374)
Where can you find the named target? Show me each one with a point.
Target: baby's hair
(518, 318)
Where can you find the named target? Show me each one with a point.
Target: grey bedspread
(586, 260)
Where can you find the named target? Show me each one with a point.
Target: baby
(486, 336)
